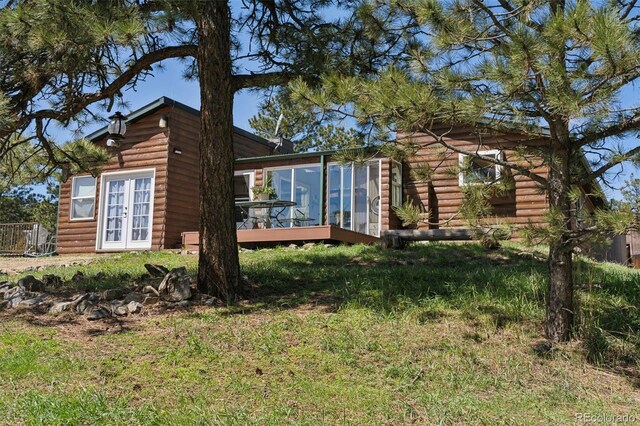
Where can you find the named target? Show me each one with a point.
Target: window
(302, 185)
(83, 197)
(354, 196)
(242, 184)
(396, 184)
(475, 171)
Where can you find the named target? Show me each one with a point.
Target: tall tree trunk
(218, 265)
(559, 317)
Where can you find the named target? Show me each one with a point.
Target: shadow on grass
(427, 282)
(432, 281)
(503, 283)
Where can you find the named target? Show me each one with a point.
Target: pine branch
(513, 166)
(609, 165)
(261, 80)
(632, 123)
(80, 103)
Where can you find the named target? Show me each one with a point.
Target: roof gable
(162, 102)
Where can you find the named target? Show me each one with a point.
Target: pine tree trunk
(218, 265)
(559, 317)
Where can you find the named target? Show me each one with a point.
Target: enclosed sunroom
(315, 197)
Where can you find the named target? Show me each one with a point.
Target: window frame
(352, 197)
(252, 179)
(292, 167)
(396, 186)
(497, 153)
(74, 179)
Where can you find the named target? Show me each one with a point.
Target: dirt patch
(14, 265)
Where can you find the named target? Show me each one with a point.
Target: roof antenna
(277, 133)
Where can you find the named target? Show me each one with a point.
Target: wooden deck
(295, 235)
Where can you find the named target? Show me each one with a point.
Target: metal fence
(26, 238)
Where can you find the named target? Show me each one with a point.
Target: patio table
(274, 210)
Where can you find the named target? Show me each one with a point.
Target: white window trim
(99, 228)
(393, 185)
(492, 152)
(82, 219)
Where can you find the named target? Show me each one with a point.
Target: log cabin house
(146, 195)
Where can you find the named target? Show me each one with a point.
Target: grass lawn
(435, 334)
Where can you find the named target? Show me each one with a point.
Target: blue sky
(169, 82)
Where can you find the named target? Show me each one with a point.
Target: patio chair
(38, 241)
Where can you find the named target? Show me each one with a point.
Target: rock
(15, 299)
(78, 276)
(52, 280)
(83, 305)
(203, 299)
(308, 246)
(60, 307)
(156, 270)
(4, 288)
(134, 297)
(17, 296)
(97, 313)
(31, 283)
(121, 310)
(181, 304)
(134, 307)
(28, 303)
(543, 348)
(111, 294)
(329, 245)
(175, 286)
(115, 304)
(150, 290)
(150, 300)
(292, 246)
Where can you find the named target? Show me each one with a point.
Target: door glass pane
(335, 193)
(241, 192)
(307, 197)
(374, 198)
(115, 210)
(359, 216)
(281, 181)
(140, 209)
(345, 213)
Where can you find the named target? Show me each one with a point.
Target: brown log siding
(526, 204)
(184, 172)
(145, 147)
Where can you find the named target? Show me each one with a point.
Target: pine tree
(550, 69)
(306, 131)
(59, 57)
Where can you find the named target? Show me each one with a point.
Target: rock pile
(173, 290)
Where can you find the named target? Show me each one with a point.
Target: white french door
(127, 210)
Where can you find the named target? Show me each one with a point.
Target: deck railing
(25, 238)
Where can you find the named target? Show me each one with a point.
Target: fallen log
(398, 237)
